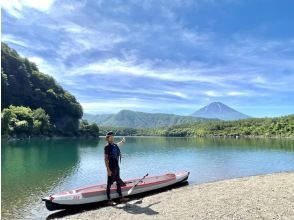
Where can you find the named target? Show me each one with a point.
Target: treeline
(253, 127)
(123, 131)
(26, 93)
(20, 122)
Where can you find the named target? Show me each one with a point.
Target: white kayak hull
(97, 193)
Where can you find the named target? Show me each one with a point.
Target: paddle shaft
(130, 191)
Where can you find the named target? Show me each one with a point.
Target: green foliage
(87, 129)
(94, 130)
(23, 85)
(22, 121)
(122, 131)
(267, 127)
(253, 127)
(41, 122)
(21, 127)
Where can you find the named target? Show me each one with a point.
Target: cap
(110, 133)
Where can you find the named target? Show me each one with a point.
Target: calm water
(33, 169)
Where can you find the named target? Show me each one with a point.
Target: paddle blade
(130, 191)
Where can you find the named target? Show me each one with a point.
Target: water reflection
(33, 169)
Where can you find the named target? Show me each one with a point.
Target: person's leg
(117, 180)
(118, 188)
(122, 183)
(118, 183)
(109, 183)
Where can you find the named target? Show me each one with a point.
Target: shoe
(124, 199)
(110, 202)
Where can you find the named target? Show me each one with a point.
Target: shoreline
(46, 138)
(5, 138)
(269, 196)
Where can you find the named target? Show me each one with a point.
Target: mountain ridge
(137, 119)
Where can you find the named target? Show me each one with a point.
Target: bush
(20, 120)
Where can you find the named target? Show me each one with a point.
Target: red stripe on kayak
(124, 187)
(128, 187)
(131, 180)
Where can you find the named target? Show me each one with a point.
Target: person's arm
(107, 164)
(106, 160)
(123, 140)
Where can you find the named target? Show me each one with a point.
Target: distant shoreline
(45, 138)
(208, 136)
(102, 136)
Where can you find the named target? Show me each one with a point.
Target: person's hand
(109, 173)
(123, 140)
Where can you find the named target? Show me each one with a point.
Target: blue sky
(161, 56)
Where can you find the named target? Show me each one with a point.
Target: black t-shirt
(113, 152)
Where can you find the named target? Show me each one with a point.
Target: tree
(7, 117)
(20, 120)
(24, 85)
(94, 130)
(41, 121)
(86, 129)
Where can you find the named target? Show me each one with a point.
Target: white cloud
(82, 38)
(146, 69)
(16, 7)
(47, 68)
(211, 93)
(235, 93)
(177, 94)
(197, 39)
(114, 105)
(258, 80)
(223, 93)
(71, 28)
(280, 83)
(7, 38)
(106, 106)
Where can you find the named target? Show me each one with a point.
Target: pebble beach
(257, 197)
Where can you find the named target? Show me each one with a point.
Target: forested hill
(281, 127)
(135, 119)
(252, 127)
(24, 85)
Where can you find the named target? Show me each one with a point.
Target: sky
(161, 56)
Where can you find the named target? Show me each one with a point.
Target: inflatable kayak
(97, 193)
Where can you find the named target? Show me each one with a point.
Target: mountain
(98, 119)
(220, 111)
(135, 119)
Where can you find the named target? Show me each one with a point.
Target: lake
(32, 169)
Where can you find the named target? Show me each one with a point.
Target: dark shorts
(114, 176)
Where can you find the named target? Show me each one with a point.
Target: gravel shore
(257, 197)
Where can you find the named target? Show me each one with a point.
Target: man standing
(111, 156)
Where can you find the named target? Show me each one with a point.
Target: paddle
(131, 190)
